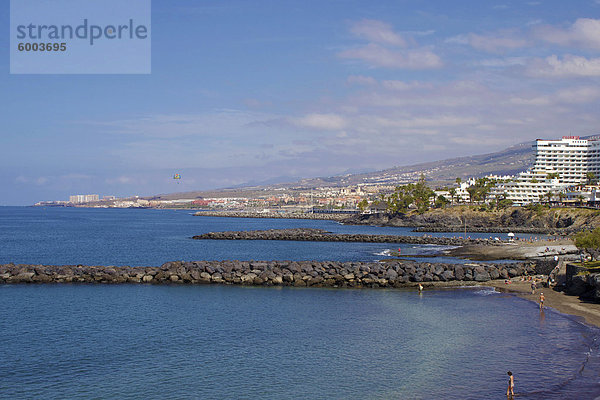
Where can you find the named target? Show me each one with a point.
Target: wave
(487, 291)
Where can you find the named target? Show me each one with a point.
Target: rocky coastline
(583, 282)
(555, 221)
(395, 274)
(319, 235)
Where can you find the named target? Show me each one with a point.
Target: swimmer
(542, 300)
(511, 385)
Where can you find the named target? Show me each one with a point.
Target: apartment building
(558, 165)
(83, 198)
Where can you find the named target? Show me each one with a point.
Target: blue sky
(249, 91)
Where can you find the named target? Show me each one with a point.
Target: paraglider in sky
(177, 177)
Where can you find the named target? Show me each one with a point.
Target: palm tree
(452, 192)
(580, 198)
(591, 178)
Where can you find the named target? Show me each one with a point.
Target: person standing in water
(542, 300)
(511, 385)
(420, 288)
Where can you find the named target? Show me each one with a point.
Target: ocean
(81, 341)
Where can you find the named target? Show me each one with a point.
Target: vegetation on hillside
(589, 241)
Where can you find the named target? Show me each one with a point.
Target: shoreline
(559, 301)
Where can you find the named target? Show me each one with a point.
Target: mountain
(509, 161)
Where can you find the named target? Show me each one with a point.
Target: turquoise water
(221, 342)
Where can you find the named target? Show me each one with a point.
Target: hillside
(505, 162)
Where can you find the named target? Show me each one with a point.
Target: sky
(253, 91)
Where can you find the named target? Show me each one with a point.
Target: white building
(558, 165)
(83, 198)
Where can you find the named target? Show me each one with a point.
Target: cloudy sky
(250, 91)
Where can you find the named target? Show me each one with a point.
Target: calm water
(209, 342)
(151, 237)
(222, 342)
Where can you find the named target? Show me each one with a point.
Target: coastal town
(565, 172)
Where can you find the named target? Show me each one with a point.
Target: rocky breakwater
(319, 235)
(268, 273)
(282, 215)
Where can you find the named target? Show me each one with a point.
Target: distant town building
(83, 198)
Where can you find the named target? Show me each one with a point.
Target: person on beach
(533, 287)
(542, 301)
(511, 385)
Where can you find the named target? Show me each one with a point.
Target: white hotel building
(558, 165)
(83, 198)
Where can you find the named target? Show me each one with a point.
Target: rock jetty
(268, 273)
(319, 235)
(285, 215)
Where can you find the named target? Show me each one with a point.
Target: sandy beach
(590, 312)
(518, 250)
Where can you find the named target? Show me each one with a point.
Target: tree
(591, 178)
(458, 181)
(480, 190)
(441, 201)
(452, 192)
(548, 196)
(553, 175)
(589, 241)
(406, 195)
(504, 203)
(363, 204)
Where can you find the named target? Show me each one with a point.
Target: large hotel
(558, 165)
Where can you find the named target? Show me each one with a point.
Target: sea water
(84, 341)
(146, 237)
(222, 342)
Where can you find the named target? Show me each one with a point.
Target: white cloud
(492, 42)
(378, 56)
(389, 49)
(568, 66)
(531, 101)
(361, 80)
(584, 32)
(578, 95)
(501, 62)
(401, 85)
(377, 31)
(321, 121)
(497, 42)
